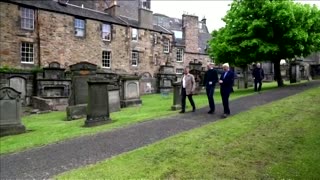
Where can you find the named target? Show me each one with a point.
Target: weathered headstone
(114, 98)
(130, 95)
(19, 84)
(80, 74)
(10, 112)
(176, 96)
(295, 75)
(98, 102)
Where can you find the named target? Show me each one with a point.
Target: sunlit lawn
(280, 140)
(49, 128)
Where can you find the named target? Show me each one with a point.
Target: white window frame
(106, 59)
(134, 58)
(27, 18)
(166, 46)
(106, 36)
(180, 54)
(134, 34)
(27, 53)
(179, 69)
(79, 24)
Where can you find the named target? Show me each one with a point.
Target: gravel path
(47, 161)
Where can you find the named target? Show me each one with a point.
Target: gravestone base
(6, 130)
(131, 102)
(175, 107)
(76, 112)
(96, 121)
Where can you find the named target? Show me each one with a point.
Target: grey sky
(213, 10)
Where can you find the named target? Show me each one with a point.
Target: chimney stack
(204, 20)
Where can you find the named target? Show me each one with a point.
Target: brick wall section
(12, 35)
(191, 33)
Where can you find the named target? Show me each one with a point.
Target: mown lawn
(48, 128)
(280, 140)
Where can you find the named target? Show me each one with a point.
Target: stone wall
(190, 29)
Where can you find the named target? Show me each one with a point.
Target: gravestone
(80, 74)
(295, 74)
(114, 98)
(176, 96)
(165, 77)
(19, 84)
(130, 94)
(98, 102)
(10, 112)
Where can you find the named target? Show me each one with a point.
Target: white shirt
(184, 81)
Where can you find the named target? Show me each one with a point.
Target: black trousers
(256, 82)
(183, 99)
(225, 100)
(210, 92)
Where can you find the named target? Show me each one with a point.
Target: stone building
(120, 37)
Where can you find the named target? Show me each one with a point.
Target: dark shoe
(210, 112)
(182, 112)
(225, 115)
(194, 110)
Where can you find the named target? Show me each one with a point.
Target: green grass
(49, 128)
(280, 140)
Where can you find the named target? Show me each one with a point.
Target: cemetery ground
(279, 140)
(43, 129)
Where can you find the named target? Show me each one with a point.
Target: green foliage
(266, 30)
(268, 142)
(8, 69)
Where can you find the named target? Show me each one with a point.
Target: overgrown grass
(275, 141)
(49, 128)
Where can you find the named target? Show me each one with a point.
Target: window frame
(180, 50)
(137, 58)
(24, 12)
(26, 52)
(179, 69)
(166, 46)
(102, 32)
(81, 28)
(105, 59)
(132, 33)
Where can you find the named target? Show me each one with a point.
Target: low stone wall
(54, 104)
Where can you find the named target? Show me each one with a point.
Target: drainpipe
(38, 39)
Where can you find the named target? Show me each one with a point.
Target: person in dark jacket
(258, 76)
(210, 80)
(226, 87)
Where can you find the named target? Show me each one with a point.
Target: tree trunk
(245, 76)
(277, 73)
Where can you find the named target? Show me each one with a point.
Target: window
(27, 18)
(79, 26)
(179, 55)
(26, 52)
(145, 4)
(179, 71)
(134, 58)
(106, 32)
(106, 59)
(134, 34)
(166, 46)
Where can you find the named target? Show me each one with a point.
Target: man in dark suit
(210, 80)
(258, 76)
(226, 87)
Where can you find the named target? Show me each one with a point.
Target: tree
(262, 30)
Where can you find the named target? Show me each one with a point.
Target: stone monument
(80, 74)
(176, 96)
(130, 94)
(98, 102)
(10, 112)
(166, 77)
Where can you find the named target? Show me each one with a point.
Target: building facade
(117, 36)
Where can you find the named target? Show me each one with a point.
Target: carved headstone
(19, 84)
(130, 91)
(10, 112)
(98, 102)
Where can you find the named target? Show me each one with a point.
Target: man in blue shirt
(226, 87)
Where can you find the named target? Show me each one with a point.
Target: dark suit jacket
(227, 85)
(210, 76)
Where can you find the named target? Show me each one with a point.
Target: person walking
(187, 89)
(258, 76)
(226, 87)
(210, 80)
